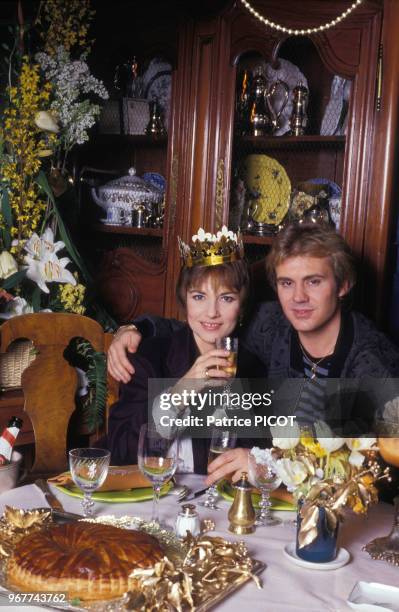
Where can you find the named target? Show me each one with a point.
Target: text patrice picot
(197, 400)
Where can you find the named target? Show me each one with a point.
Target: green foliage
(95, 366)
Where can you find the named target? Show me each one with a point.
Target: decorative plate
(117, 497)
(269, 188)
(155, 179)
(227, 492)
(335, 190)
(292, 76)
(157, 81)
(335, 115)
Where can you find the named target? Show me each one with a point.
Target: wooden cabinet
(216, 41)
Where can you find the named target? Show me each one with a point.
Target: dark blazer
(162, 358)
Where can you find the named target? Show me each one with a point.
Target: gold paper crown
(212, 250)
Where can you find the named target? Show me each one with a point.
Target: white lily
(49, 269)
(39, 246)
(326, 438)
(292, 473)
(15, 307)
(280, 438)
(46, 121)
(8, 265)
(356, 445)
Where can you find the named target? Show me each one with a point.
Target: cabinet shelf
(133, 231)
(137, 140)
(289, 142)
(251, 239)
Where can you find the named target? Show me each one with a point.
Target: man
(309, 333)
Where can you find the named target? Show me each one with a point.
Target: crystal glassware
(89, 469)
(263, 476)
(229, 343)
(222, 441)
(157, 459)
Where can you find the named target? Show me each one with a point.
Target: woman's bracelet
(123, 328)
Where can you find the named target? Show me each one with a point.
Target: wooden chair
(49, 383)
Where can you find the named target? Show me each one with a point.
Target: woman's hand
(210, 365)
(125, 340)
(231, 463)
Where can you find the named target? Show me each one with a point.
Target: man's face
(308, 292)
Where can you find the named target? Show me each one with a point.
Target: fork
(181, 492)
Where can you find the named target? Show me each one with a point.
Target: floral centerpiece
(325, 474)
(51, 102)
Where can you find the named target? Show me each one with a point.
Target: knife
(194, 494)
(50, 497)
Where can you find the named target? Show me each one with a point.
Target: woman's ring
(206, 372)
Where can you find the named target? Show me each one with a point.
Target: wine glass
(222, 441)
(89, 469)
(265, 478)
(157, 459)
(228, 343)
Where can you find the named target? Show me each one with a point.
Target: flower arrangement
(51, 103)
(326, 471)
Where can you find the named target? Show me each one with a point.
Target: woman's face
(212, 312)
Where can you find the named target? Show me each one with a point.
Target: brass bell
(242, 514)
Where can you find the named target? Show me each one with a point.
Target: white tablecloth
(286, 587)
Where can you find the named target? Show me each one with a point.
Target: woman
(212, 289)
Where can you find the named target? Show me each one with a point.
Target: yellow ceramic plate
(132, 495)
(265, 176)
(227, 492)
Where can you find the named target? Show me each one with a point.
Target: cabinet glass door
(290, 126)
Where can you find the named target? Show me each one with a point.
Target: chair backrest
(49, 383)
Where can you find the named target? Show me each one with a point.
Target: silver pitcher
(273, 96)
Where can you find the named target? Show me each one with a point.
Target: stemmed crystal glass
(157, 459)
(265, 478)
(89, 469)
(222, 441)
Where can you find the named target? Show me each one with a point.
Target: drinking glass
(264, 477)
(222, 440)
(89, 469)
(157, 459)
(228, 343)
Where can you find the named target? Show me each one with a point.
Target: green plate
(115, 497)
(227, 492)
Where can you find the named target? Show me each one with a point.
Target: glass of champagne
(157, 459)
(228, 343)
(89, 469)
(266, 479)
(222, 441)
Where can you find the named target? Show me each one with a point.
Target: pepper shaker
(187, 520)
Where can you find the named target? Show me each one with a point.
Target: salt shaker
(187, 520)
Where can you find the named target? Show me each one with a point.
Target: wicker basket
(19, 356)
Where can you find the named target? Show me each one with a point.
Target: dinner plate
(227, 492)
(373, 597)
(270, 187)
(340, 560)
(115, 497)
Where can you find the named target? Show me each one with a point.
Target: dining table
(286, 587)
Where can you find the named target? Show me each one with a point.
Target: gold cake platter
(195, 575)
